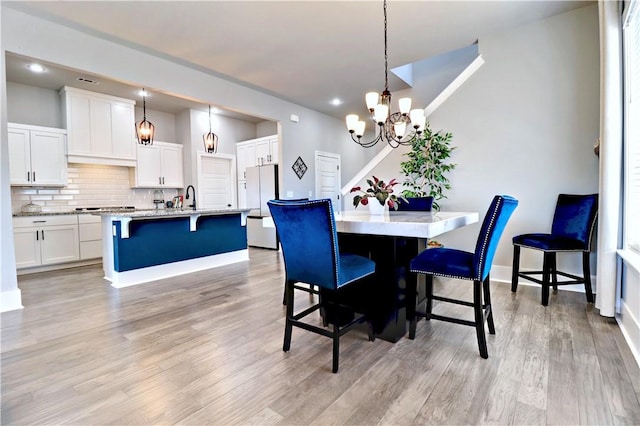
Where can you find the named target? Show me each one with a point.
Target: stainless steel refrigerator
(262, 186)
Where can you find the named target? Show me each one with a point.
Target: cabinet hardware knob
(42, 234)
(28, 176)
(37, 238)
(34, 176)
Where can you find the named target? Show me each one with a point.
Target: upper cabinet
(256, 152)
(245, 157)
(36, 156)
(100, 128)
(267, 150)
(158, 166)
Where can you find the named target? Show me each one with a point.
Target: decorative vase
(375, 208)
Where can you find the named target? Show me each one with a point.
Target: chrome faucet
(194, 196)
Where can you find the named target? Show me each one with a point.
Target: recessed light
(36, 68)
(336, 102)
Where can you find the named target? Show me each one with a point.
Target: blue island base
(142, 247)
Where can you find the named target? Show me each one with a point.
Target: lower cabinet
(46, 240)
(90, 236)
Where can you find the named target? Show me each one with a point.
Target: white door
(216, 181)
(328, 178)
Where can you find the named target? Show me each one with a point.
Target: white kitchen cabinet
(267, 150)
(36, 155)
(101, 128)
(242, 194)
(251, 153)
(45, 240)
(158, 166)
(245, 157)
(90, 236)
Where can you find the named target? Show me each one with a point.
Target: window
(631, 55)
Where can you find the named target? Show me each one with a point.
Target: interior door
(216, 181)
(328, 181)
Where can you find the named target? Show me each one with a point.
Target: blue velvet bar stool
(311, 287)
(311, 255)
(574, 223)
(462, 265)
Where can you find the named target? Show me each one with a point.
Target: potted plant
(425, 170)
(379, 191)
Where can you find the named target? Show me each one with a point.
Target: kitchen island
(149, 245)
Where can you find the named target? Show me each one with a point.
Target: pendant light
(210, 139)
(392, 126)
(144, 129)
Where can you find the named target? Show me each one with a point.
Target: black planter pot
(422, 204)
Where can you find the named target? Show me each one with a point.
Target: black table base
(383, 296)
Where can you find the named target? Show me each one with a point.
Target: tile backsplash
(89, 185)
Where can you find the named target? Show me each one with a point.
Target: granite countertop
(20, 214)
(135, 213)
(151, 213)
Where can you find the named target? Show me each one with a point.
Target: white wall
(10, 297)
(163, 122)
(266, 128)
(33, 105)
(229, 131)
(524, 125)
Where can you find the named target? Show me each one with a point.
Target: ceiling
(307, 52)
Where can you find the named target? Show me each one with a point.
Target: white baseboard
(11, 300)
(630, 327)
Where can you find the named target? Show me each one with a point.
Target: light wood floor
(206, 348)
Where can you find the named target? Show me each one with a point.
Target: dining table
(391, 240)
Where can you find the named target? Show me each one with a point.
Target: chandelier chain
(386, 62)
(144, 105)
(392, 126)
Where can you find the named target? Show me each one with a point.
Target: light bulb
(352, 120)
(380, 113)
(360, 126)
(405, 105)
(400, 128)
(372, 100)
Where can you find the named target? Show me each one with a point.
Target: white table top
(403, 224)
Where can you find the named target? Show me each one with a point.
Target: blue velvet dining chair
(311, 255)
(574, 223)
(462, 265)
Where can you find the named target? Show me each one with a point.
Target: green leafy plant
(427, 165)
(378, 190)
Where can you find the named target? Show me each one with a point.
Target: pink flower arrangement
(379, 190)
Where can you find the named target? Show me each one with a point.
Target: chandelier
(144, 129)
(392, 127)
(210, 139)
